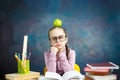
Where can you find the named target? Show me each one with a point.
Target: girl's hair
(67, 49)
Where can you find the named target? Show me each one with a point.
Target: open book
(70, 75)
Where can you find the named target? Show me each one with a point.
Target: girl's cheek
(52, 44)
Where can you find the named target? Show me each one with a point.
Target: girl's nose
(57, 39)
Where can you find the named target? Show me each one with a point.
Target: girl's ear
(67, 39)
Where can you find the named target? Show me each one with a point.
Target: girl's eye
(54, 38)
(60, 37)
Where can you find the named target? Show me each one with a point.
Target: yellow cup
(23, 66)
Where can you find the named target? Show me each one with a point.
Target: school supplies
(24, 47)
(23, 67)
(23, 59)
(16, 57)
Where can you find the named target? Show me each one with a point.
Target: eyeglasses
(61, 38)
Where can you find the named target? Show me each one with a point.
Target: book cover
(70, 75)
(88, 69)
(104, 65)
(97, 71)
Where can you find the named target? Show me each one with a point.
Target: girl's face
(58, 38)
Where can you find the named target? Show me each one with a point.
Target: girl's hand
(54, 50)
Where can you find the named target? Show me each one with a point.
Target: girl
(59, 58)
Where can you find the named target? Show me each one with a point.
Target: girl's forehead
(57, 32)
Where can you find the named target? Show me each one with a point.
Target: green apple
(57, 23)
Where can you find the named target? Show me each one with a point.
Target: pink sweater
(63, 64)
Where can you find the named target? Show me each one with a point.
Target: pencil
(28, 56)
(16, 57)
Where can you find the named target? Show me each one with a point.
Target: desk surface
(16, 76)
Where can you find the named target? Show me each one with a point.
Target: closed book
(104, 65)
(104, 71)
(106, 77)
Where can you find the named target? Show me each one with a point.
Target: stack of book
(100, 71)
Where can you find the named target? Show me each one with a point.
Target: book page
(52, 76)
(72, 75)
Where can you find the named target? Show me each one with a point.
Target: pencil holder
(23, 67)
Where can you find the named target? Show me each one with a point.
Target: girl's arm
(68, 64)
(50, 61)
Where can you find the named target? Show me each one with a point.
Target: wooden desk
(30, 76)
(88, 78)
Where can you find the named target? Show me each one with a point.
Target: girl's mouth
(58, 45)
